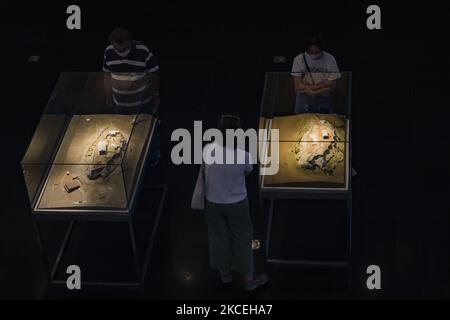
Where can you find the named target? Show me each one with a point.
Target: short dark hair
(316, 40)
(226, 122)
(119, 36)
(229, 122)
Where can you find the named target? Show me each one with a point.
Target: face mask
(123, 54)
(316, 56)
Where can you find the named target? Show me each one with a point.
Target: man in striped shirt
(134, 83)
(134, 74)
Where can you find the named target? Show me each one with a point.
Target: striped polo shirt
(130, 75)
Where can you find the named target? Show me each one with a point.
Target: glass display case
(311, 145)
(313, 134)
(85, 156)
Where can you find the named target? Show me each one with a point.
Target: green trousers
(230, 235)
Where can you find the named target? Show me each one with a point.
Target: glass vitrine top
(287, 93)
(89, 140)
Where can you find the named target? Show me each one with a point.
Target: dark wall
(215, 57)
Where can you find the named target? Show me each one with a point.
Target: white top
(322, 69)
(225, 183)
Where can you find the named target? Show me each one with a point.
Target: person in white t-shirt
(227, 210)
(315, 73)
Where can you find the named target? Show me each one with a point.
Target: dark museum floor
(400, 149)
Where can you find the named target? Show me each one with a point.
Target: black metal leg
(349, 240)
(135, 252)
(153, 235)
(43, 250)
(51, 270)
(349, 228)
(62, 249)
(269, 228)
(336, 264)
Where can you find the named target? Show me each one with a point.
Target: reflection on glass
(135, 150)
(281, 99)
(40, 151)
(73, 186)
(311, 127)
(96, 139)
(312, 164)
(84, 154)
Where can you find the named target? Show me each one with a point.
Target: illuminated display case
(84, 157)
(314, 148)
(85, 164)
(312, 151)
